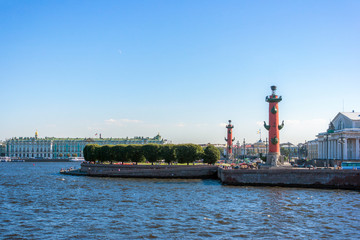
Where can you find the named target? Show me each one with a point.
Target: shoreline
(288, 177)
(281, 177)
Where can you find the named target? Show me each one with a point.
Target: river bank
(283, 177)
(146, 171)
(292, 177)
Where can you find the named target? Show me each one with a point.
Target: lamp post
(298, 151)
(244, 144)
(327, 150)
(266, 144)
(330, 130)
(342, 141)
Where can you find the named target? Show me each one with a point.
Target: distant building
(291, 150)
(312, 149)
(2, 149)
(250, 149)
(51, 147)
(342, 139)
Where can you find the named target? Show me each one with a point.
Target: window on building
(340, 125)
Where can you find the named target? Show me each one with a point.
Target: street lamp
(266, 144)
(327, 147)
(342, 141)
(330, 130)
(244, 144)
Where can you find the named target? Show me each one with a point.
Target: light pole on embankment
(266, 144)
(342, 141)
(327, 147)
(330, 130)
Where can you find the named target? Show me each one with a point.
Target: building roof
(352, 115)
(288, 144)
(149, 140)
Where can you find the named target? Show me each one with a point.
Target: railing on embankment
(314, 178)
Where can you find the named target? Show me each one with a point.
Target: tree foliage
(211, 154)
(168, 153)
(135, 153)
(188, 153)
(105, 153)
(183, 153)
(151, 152)
(119, 152)
(92, 152)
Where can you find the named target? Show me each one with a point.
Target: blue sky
(181, 68)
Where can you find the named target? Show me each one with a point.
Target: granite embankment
(146, 171)
(286, 177)
(313, 178)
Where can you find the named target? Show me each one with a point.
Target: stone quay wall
(284, 177)
(149, 171)
(314, 178)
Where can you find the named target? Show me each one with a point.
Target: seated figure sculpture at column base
(272, 159)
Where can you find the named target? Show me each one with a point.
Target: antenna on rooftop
(343, 105)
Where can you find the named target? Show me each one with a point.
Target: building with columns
(312, 149)
(51, 147)
(342, 140)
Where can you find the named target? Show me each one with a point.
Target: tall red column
(229, 139)
(273, 128)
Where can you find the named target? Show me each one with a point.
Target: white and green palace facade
(51, 147)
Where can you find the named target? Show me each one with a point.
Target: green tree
(284, 151)
(112, 153)
(168, 153)
(97, 152)
(105, 154)
(91, 152)
(86, 152)
(74, 155)
(151, 152)
(211, 154)
(221, 150)
(188, 153)
(120, 153)
(134, 153)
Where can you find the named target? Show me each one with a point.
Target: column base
(272, 159)
(230, 156)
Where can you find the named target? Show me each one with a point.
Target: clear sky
(180, 68)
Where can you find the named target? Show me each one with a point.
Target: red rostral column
(273, 128)
(229, 139)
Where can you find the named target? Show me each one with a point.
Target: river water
(36, 202)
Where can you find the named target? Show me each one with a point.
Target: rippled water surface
(36, 202)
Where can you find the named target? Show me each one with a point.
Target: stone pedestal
(272, 159)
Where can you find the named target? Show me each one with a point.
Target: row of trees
(182, 153)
